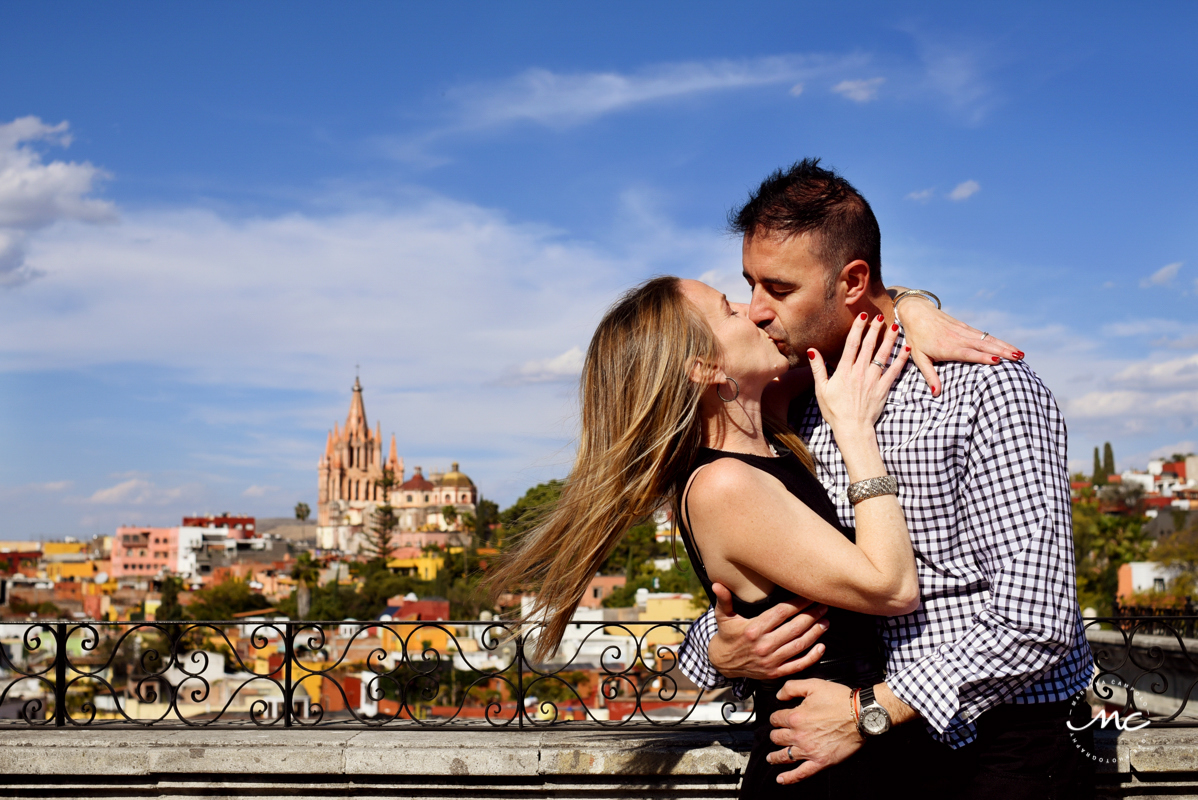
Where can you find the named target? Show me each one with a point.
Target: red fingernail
(811, 354)
(994, 359)
(1017, 354)
(894, 327)
(935, 391)
(864, 315)
(880, 318)
(907, 348)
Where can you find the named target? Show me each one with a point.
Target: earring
(735, 386)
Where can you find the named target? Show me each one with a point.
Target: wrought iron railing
(1146, 663)
(451, 674)
(278, 672)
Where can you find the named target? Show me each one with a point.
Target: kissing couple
(887, 544)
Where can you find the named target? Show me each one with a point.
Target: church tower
(351, 466)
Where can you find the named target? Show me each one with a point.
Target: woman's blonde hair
(641, 432)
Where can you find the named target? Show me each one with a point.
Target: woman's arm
(755, 534)
(935, 336)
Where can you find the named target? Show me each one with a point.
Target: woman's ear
(706, 373)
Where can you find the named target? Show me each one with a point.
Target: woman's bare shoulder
(728, 482)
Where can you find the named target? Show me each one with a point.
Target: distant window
(426, 498)
(409, 498)
(1158, 584)
(597, 593)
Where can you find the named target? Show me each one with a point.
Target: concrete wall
(462, 763)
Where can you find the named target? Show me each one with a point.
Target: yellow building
(75, 570)
(424, 567)
(50, 549)
(663, 607)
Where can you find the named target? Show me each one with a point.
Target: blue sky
(210, 213)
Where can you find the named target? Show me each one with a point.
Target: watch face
(874, 720)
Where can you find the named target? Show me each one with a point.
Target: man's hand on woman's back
(769, 646)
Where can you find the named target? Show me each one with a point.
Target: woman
(672, 408)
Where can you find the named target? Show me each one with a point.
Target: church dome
(455, 478)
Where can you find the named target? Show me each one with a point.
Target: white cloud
(51, 486)
(964, 191)
(550, 98)
(259, 491)
(861, 91)
(1136, 404)
(730, 282)
(439, 302)
(136, 492)
(559, 368)
(796, 90)
(1162, 277)
(1164, 374)
(922, 196)
(1187, 446)
(34, 194)
(956, 74)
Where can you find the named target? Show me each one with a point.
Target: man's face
(790, 297)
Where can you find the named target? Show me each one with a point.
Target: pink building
(144, 552)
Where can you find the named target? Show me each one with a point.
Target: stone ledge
(297, 763)
(488, 763)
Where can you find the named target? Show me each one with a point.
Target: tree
(306, 573)
(302, 512)
(450, 515)
(222, 601)
(170, 609)
(486, 514)
(1179, 551)
(1108, 460)
(676, 579)
(1103, 543)
(635, 547)
(1099, 478)
(384, 522)
(526, 512)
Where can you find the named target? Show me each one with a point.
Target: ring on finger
(985, 335)
(877, 363)
(790, 755)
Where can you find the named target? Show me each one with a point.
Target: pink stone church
(348, 476)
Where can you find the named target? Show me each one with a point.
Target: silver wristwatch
(874, 719)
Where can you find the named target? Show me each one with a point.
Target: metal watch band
(872, 487)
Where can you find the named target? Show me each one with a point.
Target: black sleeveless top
(854, 647)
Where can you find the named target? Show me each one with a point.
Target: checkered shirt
(983, 482)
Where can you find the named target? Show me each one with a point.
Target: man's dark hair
(806, 198)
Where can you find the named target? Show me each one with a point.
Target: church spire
(355, 423)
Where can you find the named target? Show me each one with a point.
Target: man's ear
(854, 280)
(706, 373)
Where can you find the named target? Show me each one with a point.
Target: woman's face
(748, 352)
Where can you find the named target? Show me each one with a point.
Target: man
(981, 676)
